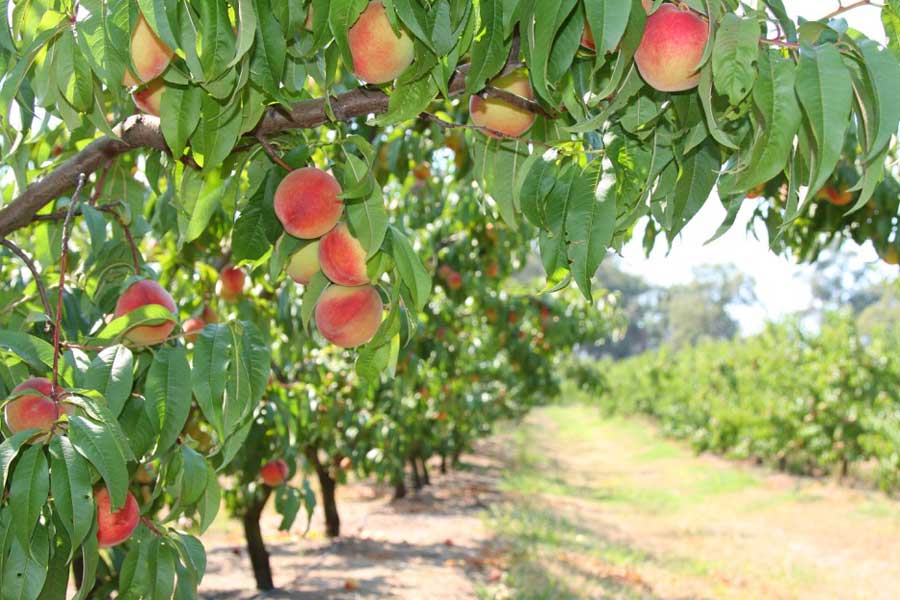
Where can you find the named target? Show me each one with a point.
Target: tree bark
(400, 486)
(327, 485)
(417, 479)
(443, 464)
(426, 478)
(256, 546)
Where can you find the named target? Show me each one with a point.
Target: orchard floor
(569, 505)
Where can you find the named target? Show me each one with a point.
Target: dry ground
(567, 505)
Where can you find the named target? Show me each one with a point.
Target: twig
(34, 273)
(149, 524)
(272, 154)
(101, 180)
(63, 267)
(842, 8)
(135, 254)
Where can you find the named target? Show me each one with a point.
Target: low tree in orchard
(173, 168)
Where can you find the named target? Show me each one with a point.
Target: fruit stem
(272, 154)
(149, 524)
(63, 267)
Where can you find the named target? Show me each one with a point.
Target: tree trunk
(327, 485)
(845, 468)
(443, 464)
(417, 479)
(400, 486)
(256, 546)
(426, 479)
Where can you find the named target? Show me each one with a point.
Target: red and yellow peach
(379, 54)
(500, 117)
(342, 258)
(670, 51)
(149, 55)
(149, 98)
(34, 409)
(304, 263)
(231, 283)
(307, 203)
(143, 293)
(349, 316)
(274, 473)
(114, 527)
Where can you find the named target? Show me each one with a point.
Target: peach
(422, 171)
(498, 115)
(140, 294)
(890, 255)
(671, 49)
(454, 281)
(307, 203)
(342, 257)
(838, 196)
(149, 55)
(113, 528)
(192, 328)
(757, 191)
(149, 98)
(379, 54)
(492, 270)
(304, 263)
(37, 410)
(349, 316)
(209, 315)
(274, 472)
(231, 283)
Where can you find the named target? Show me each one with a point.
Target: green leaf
(112, 374)
(607, 19)
(70, 482)
(28, 490)
(37, 353)
(408, 101)
(538, 183)
(412, 271)
(368, 222)
(218, 130)
(216, 48)
(590, 221)
(168, 397)
(884, 73)
(342, 15)
(181, 106)
(540, 34)
(25, 571)
(733, 56)
(489, 52)
(9, 450)
(825, 92)
(99, 446)
(211, 356)
(311, 294)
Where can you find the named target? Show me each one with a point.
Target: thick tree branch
(143, 131)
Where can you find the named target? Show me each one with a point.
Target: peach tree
(167, 160)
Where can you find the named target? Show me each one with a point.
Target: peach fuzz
(140, 294)
(304, 263)
(113, 528)
(497, 115)
(379, 54)
(274, 472)
(670, 51)
(37, 410)
(192, 328)
(231, 283)
(149, 98)
(307, 203)
(349, 316)
(342, 258)
(149, 55)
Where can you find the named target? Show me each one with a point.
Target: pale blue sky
(782, 286)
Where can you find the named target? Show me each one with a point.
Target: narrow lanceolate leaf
(9, 450)
(368, 220)
(216, 38)
(780, 115)
(553, 238)
(70, 483)
(99, 446)
(734, 52)
(541, 32)
(698, 175)
(490, 50)
(884, 75)
(342, 14)
(890, 17)
(168, 396)
(212, 351)
(607, 20)
(825, 92)
(111, 374)
(182, 110)
(536, 186)
(590, 221)
(412, 271)
(25, 571)
(28, 490)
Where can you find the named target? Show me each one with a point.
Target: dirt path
(568, 505)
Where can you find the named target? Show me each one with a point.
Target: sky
(782, 286)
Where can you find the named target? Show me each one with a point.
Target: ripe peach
(671, 49)
(890, 255)
(149, 54)
(422, 171)
(838, 196)
(379, 54)
(304, 263)
(149, 98)
(307, 203)
(454, 281)
(757, 191)
(349, 316)
(209, 315)
(274, 472)
(113, 528)
(192, 328)
(342, 257)
(492, 270)
(37, 410)
(499, 116)
(140, 294)
(231, 283)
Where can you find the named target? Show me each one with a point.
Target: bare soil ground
(568, 505)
